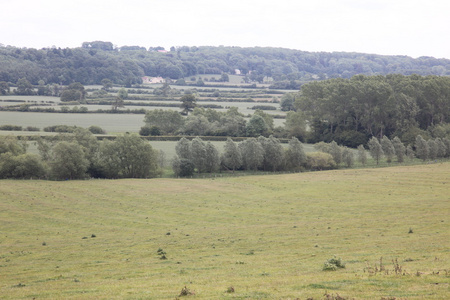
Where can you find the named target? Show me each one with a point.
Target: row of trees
(352, 110)
(207, 122)
(79, 155)
(97, 60)
(423, 149)
(251, 154)
(267, 154)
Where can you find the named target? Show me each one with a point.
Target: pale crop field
(255, 237)
(112, 123)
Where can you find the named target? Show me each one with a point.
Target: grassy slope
(267, 236)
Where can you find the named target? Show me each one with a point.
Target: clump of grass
(186, 292)
(333, 264)
(161, 253)
(230, 290)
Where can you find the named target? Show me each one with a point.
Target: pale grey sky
(392, 27)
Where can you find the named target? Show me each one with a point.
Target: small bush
(264, 107)
(333, 264)
(319, 161)
(96, 130)
(150, 130)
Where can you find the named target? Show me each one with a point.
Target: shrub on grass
(333, 264)
(319, 161)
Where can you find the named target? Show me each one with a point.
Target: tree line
(95, 61)
(350, 111)
(80, 155)
(207, 122)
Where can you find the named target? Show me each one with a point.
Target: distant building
(152, 80)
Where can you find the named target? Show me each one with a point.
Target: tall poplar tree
(375, 149)
(231, 156)
(212, 158)
(362, 155)
(295, 154)
(388, 148)
(399, 149)
(422, 148)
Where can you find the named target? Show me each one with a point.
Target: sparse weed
(186, 292)
(397, 268)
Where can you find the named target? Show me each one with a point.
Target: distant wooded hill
(126, 65)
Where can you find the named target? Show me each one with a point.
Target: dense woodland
(126, 65)
(350, 111)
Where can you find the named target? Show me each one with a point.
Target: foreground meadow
(249, 237)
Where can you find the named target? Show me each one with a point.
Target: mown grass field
(266, 236)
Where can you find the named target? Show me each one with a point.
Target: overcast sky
(392, 27)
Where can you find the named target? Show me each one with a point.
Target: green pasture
(255, 237)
